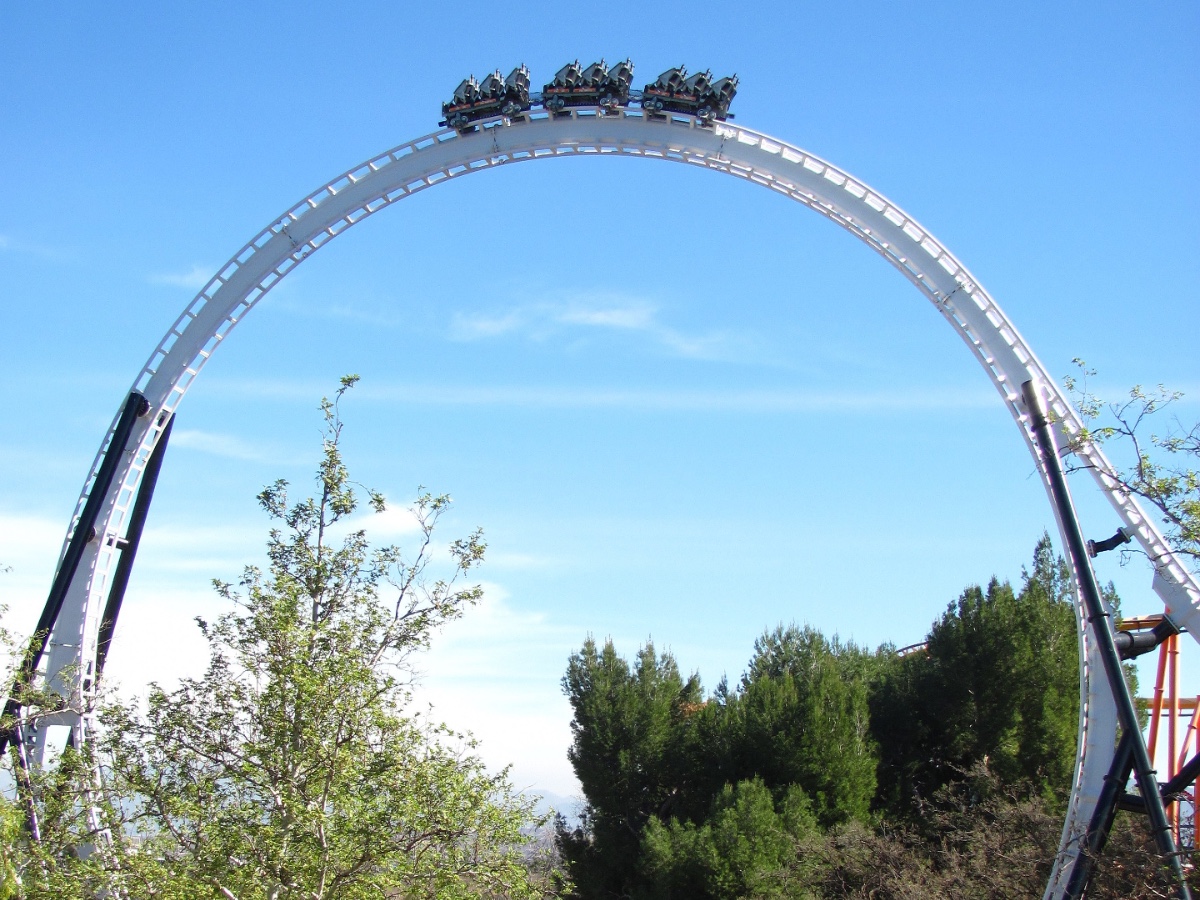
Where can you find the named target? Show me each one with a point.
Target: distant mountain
(566, 806)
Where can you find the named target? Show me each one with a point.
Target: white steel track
(733, 150)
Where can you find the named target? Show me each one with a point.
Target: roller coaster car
(467, 92)
(698, 96)
(616, 85)
(494, 96)
(593, 76)
(492, 87)
(670, 81)
(722, 92)
(566, 81)
(597, 85)
(697, 85)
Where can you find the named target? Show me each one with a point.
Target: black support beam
(1102, 632)
(135, 407)
(1101, 824)
(133, 537)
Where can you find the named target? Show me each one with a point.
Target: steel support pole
(135, 407)
(1187, 774)
(1102, 634)
(1173, 730)
(133, 537)
(25, 791)
(1102, 820)
(1156, 702)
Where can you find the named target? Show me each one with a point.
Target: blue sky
(678, 406)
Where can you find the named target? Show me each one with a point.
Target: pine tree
(998, 682)
(624, 752)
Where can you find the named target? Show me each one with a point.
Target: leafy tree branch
(1159, 452)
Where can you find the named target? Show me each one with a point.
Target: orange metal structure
(1167, 703)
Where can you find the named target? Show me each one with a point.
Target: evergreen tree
(745, 847)
(625, 754)
(762, 789)
(801, 717)
(998, 682)
(662, 771)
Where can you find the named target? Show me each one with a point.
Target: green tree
(625, 740)
(998, 681)
(698, 799)
(658, 766)
(745, 847)
(290, 768)
(11, 852)
(75, 853)
(801, 717)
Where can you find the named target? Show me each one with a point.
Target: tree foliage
(70, 822)
(997, 682)
(746, 846)
(627, 730)
(55, 804)
(824, 751)
(676, 784)
(1159, 455)
(291, 768)
(801, 718)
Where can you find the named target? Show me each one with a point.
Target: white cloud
(635, 318)
(475, 327)
(495, 672)
(156, 638)
(227, 446)
(542, 321)
(10, 245)
(24, 535)
(193, 279)
(394, 522)
(714, 346)
(172, 554)
(526, 730)
(30, 547)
